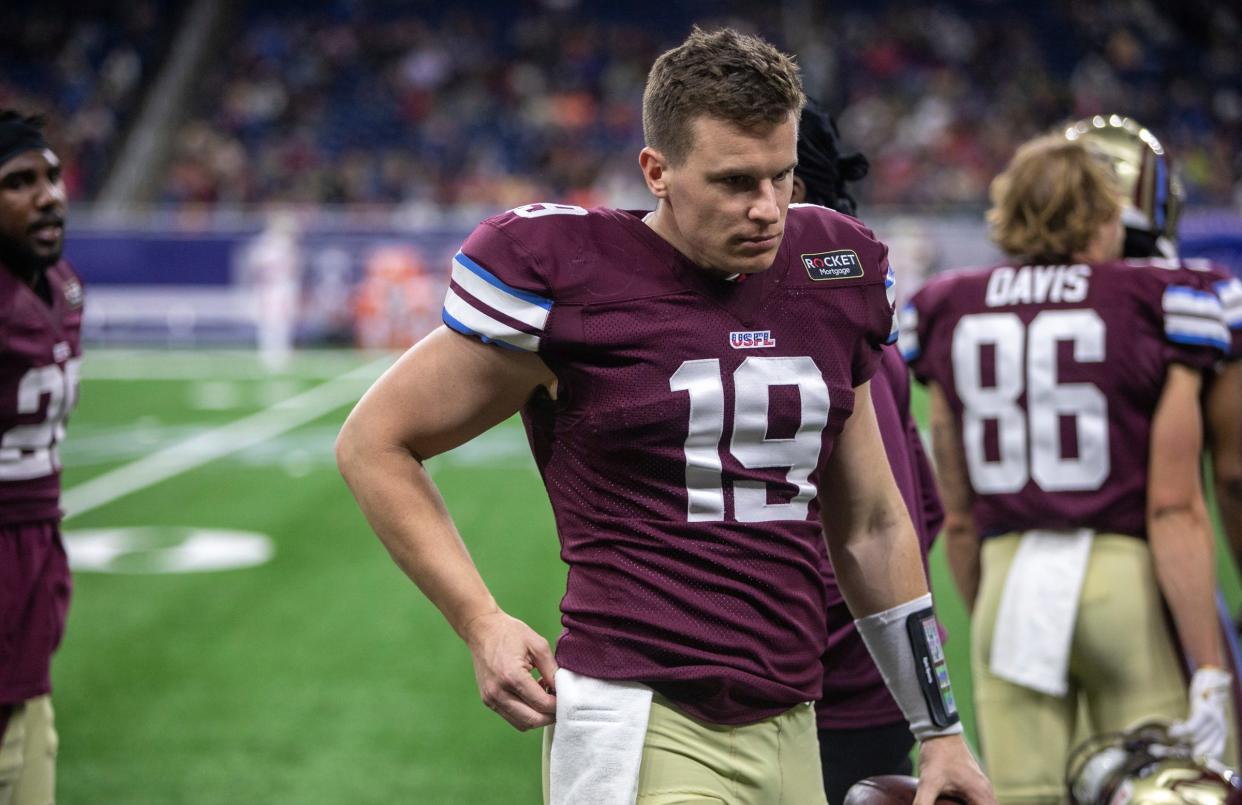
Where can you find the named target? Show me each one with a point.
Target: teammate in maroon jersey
(1066, 427)
(862, 732)
(694, 382)
(1151, 198)
(40, 323)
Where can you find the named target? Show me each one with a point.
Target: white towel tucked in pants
(1035, 621)
(597, 744)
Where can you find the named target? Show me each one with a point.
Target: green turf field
(321, 675)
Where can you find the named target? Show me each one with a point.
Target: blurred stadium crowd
(86, 67)
(490, 104)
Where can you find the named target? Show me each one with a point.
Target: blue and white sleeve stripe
(1194, 317)
(890, 290)
(1230, 293)
(478, 303)
(908, 340)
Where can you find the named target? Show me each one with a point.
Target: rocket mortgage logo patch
(838, 265)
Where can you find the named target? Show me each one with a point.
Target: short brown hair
(724, 74)
(1052, 199)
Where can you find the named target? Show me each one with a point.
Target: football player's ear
(654, 167)
(799, 190)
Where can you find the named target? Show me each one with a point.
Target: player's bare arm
(1178, 527)
(1183, 550)
(443, 392)
(961, 537)
(874, 551)
(1223, 415)
(871, 540)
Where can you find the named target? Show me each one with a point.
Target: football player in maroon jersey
(1066, 427)
(862, 732)
(1151, 205)
(695, 386)
(40, 324)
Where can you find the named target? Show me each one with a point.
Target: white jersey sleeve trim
(890, 290)
(468, 320)
(1230, 293)
(1194, 317)
(908, 339)
(480, 304)
(485, 286)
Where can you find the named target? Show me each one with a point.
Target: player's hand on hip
(1208, 723)
(505, 652)
(948, 769)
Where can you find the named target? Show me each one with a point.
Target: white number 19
(750, 445)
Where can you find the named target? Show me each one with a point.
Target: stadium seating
(393, 105)
(493, 104)
(85, 65)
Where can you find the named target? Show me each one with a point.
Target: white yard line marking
(129, 365)
(217, 442)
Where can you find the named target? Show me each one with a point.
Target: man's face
(32, 210)
(728, 199)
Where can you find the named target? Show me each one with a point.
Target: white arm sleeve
(905, 644)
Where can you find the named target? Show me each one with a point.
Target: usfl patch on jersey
(752, 339)
(73, 293)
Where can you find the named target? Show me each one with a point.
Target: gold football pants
(686, 761)
(1124, 667)
(28, 755)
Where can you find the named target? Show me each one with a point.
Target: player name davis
(752, 339)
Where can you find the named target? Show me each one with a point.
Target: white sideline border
(223, 440)
(179, 365)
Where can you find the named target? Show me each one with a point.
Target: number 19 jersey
(683, 451)
(1053, 374)
(40, 348)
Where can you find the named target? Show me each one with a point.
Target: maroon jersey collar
(742, 299)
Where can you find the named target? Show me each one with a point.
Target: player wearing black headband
(823, 170)
(40, 348)
(862, 731)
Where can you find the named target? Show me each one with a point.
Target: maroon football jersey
(40, 349)
(1053, 373)
(682, 453)
(35, 587)
(854, 693)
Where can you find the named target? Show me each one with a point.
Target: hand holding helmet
(1146, 766)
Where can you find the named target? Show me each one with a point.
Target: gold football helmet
(1144, 766)
(1152, 191)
